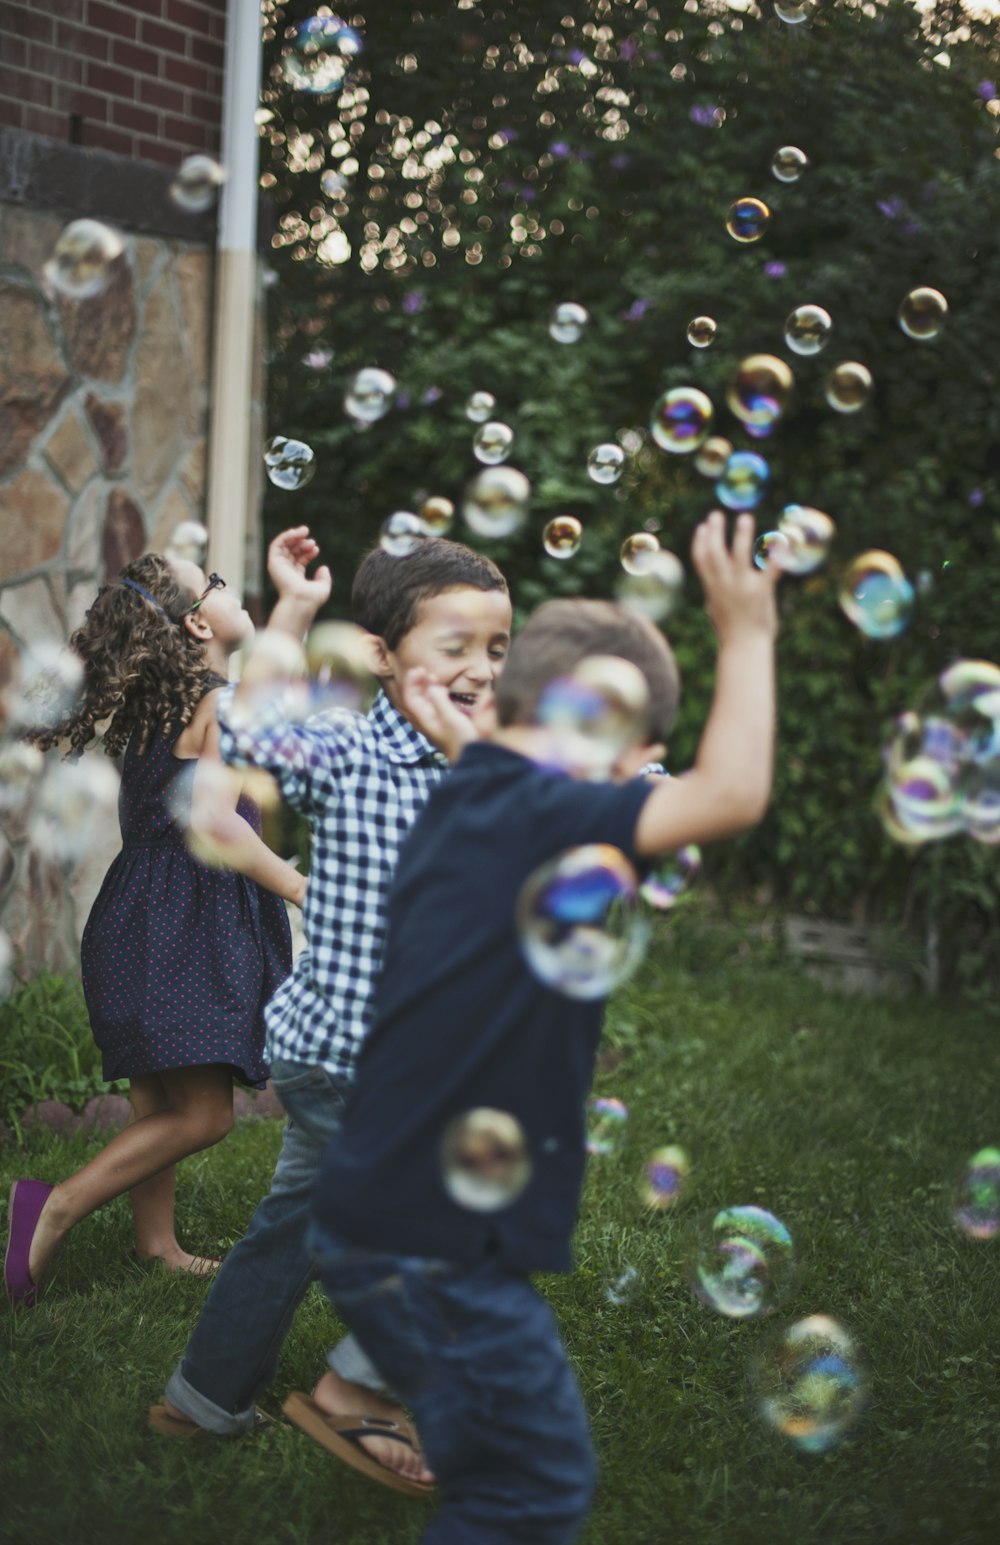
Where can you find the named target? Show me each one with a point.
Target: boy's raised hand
(288, 558)
(738, 596)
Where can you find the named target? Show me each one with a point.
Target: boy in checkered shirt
(360, 781)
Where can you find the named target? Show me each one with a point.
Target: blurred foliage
(47, 1050)
(495, 159)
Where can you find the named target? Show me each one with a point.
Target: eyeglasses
(215, 582)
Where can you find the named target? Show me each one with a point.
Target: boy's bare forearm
(736, 752)
(293, 615)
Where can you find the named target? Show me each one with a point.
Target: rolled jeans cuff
(196, 1408)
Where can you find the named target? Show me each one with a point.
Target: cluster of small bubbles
(942, 765)
(788, 163)
(606, 463)
(681, 419)
(922, 314)
(49, 679)
(701, 332)
(792, 12)
(977, 1203)
(808, 535)
(567, 322)
(711, 457)
(848, 386)
(188, 541)
(290, 464)
(196, 186)
(671, 878)
(875, 595)
(83, 259)
(21, 768)
(636, 550)
(808, 329)
(562, 536)
(622, 1287)
(769, 548)
(747, 220)
(492, 442)
(436, 515)
(333, 183)
(74, 800)
(759, 390)
(810, 1385)
(320, 51)
(581, 929)
(485, 1160)
(339, 663)
(741, 1262)
(656, 590)
(593, 714)
(743, 482)
(664, 1177)
(369, 395)
(401, 532)
(479, 407)
(606, 1126)
(496, 501)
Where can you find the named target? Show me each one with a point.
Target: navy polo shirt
(461, 1022)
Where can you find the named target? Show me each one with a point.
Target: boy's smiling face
(461, 636)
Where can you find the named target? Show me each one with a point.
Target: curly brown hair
(142, 670)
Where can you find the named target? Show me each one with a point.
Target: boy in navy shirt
(437, 1293)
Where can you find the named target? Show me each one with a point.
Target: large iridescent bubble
(748, 219)
(581, 929)
(876, 595)
(485, 1159)
(743, 482)
(808, 329)
(681, 419)
(977, 1203)
(922, 314)
(496, 502)
(741, 1262)
(318, 54)
(759, 390)
(593, 714)
(810, 1384)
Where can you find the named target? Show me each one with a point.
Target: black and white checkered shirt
(361, 782)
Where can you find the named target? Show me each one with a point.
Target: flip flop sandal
(341, 1436)
(164, 1421)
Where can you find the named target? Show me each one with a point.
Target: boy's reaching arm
(729, 786)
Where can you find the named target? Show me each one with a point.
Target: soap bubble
(320, 51)
(83, 259)
(701, 332)
(671, 878)
(743, 482)
(606, 1126)
(479, 407)
(742, 1263)
(748, 219)
(977, 1205)
(808, 329)
(635, 550)
(567, 322)
(333, 183)
(848, 387)
(711, 457)
(810, 1384)
(75, 802)
(189, 541)
(788, 163)
(273, 680)
(436, 515)
(581, 930)
(339, 662)
(401, 533)
(656, 590)
(49, 681)
(196, 186)
(369, 395)
(496, 502)
(492, 442)
(593, 714)
(758, 392)
(922, 314)
(622, 1287)
(290, 464)
(792, 12)
(808, 535)
(202, 801)
(606, 463)
(681, 419)
(664, 1177)
(769, 548)
(875, 595)
(21, 768)
(562, 536)
(485, 1163)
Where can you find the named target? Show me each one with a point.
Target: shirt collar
(397, 737)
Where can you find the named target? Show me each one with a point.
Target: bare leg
(198, 1113)
(338, 1397)
(153, 1200)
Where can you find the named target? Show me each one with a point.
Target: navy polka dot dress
(178, 958)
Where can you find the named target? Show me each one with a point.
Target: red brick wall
(143, 78)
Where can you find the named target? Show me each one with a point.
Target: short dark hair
(561, 634)
(387, 591)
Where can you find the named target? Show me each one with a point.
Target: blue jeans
(232, 1355)
(476, 1354)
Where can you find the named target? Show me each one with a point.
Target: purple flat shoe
(27, 1198)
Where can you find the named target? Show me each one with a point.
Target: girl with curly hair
(178, 958)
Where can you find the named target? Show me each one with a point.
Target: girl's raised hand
(288, 558)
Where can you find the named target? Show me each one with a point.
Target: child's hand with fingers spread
(429, 707)
(739, 597)
(288, 558)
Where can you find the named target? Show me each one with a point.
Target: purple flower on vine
(775, 269)
(413, 301)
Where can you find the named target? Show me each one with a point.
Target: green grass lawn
(850, 1119)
